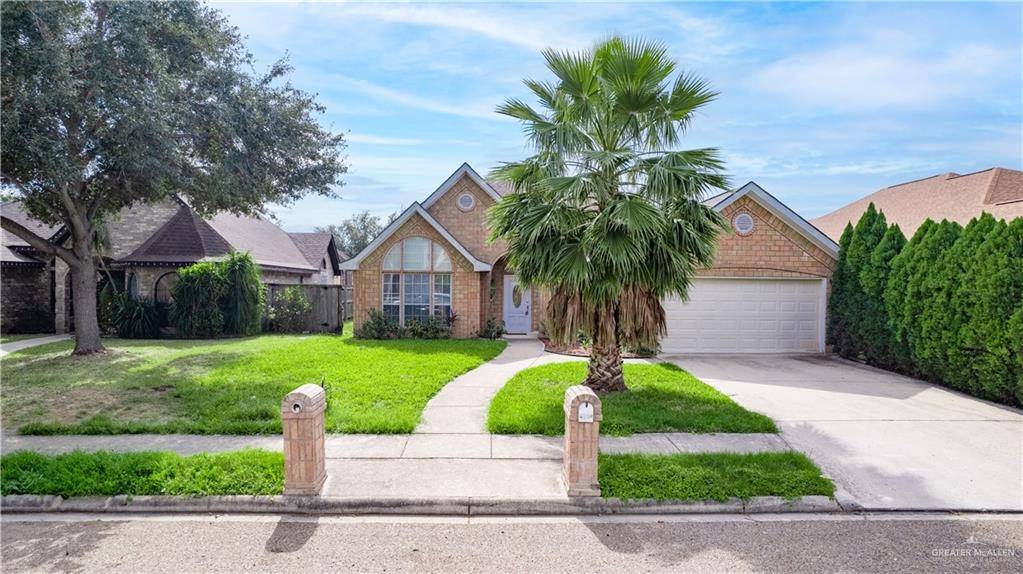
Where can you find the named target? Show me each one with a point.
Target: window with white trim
(416, 281)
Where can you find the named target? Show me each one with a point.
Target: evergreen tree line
(946, 306)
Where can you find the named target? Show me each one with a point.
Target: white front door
(516, 306)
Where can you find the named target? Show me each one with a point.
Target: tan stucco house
(767, 291)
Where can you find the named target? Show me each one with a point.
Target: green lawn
(230, 386)
(661, 398)
(710, 476)
(247, 471)
(12, 338)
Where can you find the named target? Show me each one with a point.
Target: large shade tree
(607, 212)
(109, 104)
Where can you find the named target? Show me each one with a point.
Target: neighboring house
(960, 198)
(320, 250)
(147, 244)
(766, 293)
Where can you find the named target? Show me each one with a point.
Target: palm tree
(607, 213)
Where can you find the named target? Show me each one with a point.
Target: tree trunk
(83, 293)
(604, 371)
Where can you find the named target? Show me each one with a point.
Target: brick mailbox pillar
(304, 455)
(582, 432)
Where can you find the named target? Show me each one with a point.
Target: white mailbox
(586, 412)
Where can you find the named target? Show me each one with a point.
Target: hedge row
(213, 298)
(946, 306)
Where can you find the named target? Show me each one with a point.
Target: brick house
(765, 293)
(147, 245)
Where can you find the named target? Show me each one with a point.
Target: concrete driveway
(888, 441)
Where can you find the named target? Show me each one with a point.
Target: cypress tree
(866, 236)
(919, 289)
(897, 288)
(1015, 338)
(949, 305)
(995, 280)
(838, 335)
(881, 346)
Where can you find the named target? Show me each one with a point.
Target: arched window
(163, 287)
(133, 285)
(416, 281)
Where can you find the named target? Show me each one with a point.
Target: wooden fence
(331, 304)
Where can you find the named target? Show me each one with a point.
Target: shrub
(289, 311)
(196, 308)
(837, 332)
(492, 329)
(879, 343)
(106, 308)
(865, 238)
(242, 300)
(430, 328)
(134, 318)
(379, 326)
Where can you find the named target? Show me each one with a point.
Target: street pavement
(707, 544)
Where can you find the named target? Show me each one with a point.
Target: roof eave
(464, 169)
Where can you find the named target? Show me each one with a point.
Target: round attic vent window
(466, 202)
(743, 224)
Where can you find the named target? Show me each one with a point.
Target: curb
(459, 506)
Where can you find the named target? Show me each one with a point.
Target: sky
(821, 103)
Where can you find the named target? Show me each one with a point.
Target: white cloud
(476, 110)
(882, 74)
(380, 140)
(494, 23)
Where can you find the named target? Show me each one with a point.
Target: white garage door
(746, 316)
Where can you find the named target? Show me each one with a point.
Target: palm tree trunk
(604, 371)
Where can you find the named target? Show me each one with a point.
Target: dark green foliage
(248, 471)
(378, 326)
(838, 334)
(879, 344)
(710, 476)
(196, 308)
(492, 329)
(949, 303)
(242, 300)
(865, 238)
(994, 280)
(134, 318)
(289, 311)
(946, 306)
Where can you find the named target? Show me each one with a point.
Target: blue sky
(820, 103)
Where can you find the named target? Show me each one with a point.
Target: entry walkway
(13, 346)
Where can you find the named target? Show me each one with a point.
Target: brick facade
(468, 227)
(27, 306)
(465, 283)
(773, 249)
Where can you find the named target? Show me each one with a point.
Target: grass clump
(661, 398)
(710, 476)
(78, 473)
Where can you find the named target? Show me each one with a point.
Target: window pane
(442, 296)
(391, 296)
(392, 261)
(441, 261)
(417, 296)
(417, 254)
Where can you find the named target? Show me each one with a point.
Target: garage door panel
(745, 316)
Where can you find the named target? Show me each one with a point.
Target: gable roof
(464, 170)
(780, 210)
(414, 209)
(960, 198)
(314, 246)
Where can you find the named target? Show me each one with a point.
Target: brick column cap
(309, 399)
(577, 394)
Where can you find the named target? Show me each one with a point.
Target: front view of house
(766, 293)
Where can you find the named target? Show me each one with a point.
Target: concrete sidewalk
(8, 348)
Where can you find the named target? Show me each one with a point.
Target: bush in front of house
(946, 306)
(134, 318)
(492, 329)
(289, 311)
(380, 326)
(215, 298)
